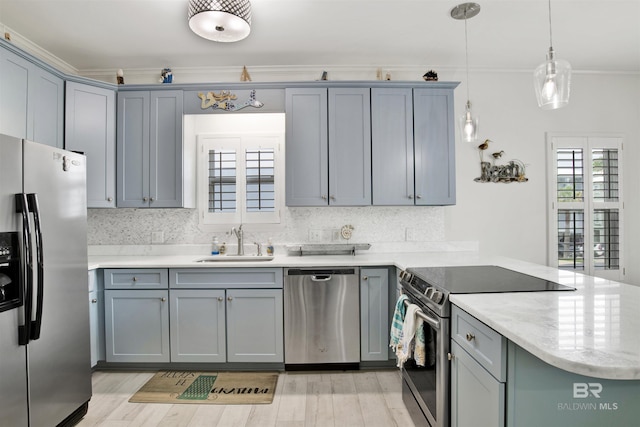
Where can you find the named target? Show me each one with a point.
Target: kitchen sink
(235, 258)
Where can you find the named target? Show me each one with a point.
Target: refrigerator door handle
(22, 207)
(34, 208)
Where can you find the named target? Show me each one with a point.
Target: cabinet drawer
(147, 278)
(225, 278)
(488, 347)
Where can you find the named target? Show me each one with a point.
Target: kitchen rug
(222, 388)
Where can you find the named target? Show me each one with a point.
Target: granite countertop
(594, 331)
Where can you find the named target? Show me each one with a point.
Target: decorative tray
(326, 249)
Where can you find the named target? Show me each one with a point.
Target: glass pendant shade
(469, 125)
(220, 20)
(552, 82)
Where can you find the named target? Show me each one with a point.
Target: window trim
(587, 142)
(239, 142)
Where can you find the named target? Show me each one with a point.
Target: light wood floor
(353, 398)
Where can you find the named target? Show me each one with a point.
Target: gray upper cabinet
(328, 156)
(413, 152)
(32, 101)
(349, 147)
(434, 136)
(90, 127)
(307, 158)
(149, 149)
(392, 146)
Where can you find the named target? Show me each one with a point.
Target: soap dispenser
(215, 248)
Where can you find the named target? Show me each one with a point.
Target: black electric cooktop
(483, 278)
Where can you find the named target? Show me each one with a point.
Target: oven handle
(435, 324)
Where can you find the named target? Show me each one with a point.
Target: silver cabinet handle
(470, 336)
(324, 197)
(410, 196)
(332, 197)
(109, 199)
(450, 356)
(93, 300)
(220, 299)
(418, 196)
(151, 199)
(229, 298)
(163, 299)
(135, 279)
(365, 278)
(144, 199)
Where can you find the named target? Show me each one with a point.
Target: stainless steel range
(425, 389)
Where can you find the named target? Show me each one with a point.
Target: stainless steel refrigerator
(45, 373)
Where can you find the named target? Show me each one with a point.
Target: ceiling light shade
(552, 82)
(468, 123)
(220, 20)
(552, 79)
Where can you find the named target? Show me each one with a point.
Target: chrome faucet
(240, 235)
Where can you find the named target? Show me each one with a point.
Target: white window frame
(586, 142)
(239, 142)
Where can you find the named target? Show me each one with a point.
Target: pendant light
(552, 79)
(468, 123)
(220, 20)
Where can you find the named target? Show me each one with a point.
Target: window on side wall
(585, 204)
(240, 178)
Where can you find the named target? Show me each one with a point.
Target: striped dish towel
(397, 322)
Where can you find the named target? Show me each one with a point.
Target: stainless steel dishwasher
(321, 317)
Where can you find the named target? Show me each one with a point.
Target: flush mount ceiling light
(220, 20)
(468, 123)
(552, 79)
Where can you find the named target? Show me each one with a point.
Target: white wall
(510, 219)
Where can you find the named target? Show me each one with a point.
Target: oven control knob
(406, 276)
(437, 297)
(429, 292)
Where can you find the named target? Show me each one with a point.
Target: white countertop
(594, 331)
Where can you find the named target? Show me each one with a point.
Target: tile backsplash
(386, 228)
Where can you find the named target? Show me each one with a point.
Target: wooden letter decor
(225, 101)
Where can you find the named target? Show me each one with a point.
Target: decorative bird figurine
(497, 155)
(484, 145)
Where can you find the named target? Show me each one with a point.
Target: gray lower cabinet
(227, 315)
(478, 373)
(197, 318)
(32, 101)
(96, 318)
(328, 156)
(90, 127)
(374, 314)
(413, 152)
(149, 149)
(137, 325)
(136, 305)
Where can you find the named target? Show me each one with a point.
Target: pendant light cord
(550, 31)
(466, 51)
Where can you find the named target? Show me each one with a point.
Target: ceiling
(90, 35)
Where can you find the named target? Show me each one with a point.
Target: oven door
(429, 385)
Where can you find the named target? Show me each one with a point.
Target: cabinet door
(477, 398)
(46, 93)
(374, 314)
(133, 149)
(255, 325)
(90, 128)
(94, 332)
(137, 326)
(349, 147)
(392, 146)
(307, 152)
(434, 128)
(14, 90)
(197, 324)
(165, 149)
